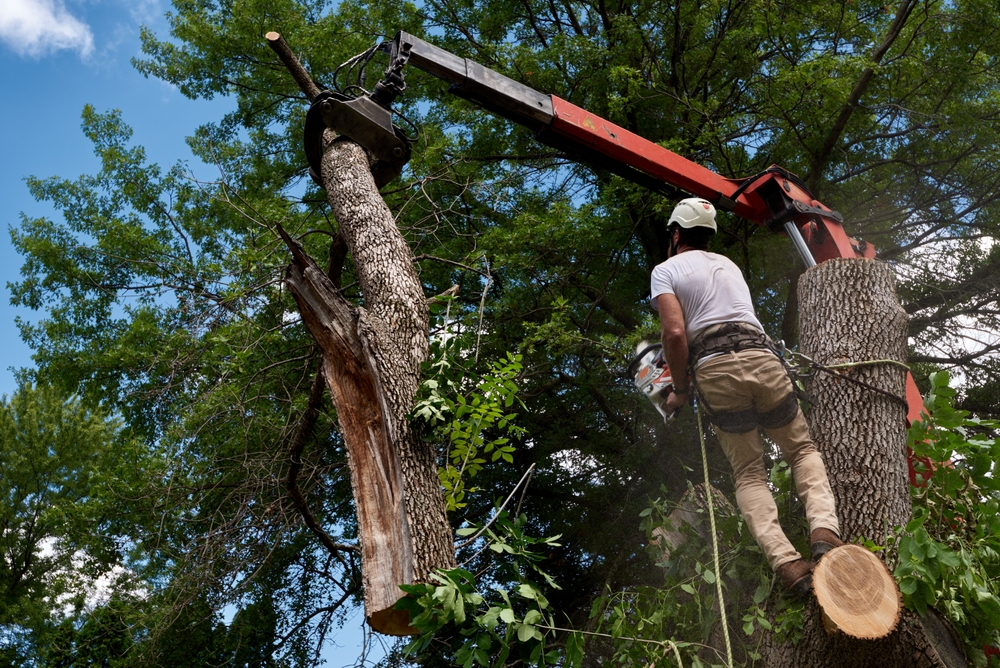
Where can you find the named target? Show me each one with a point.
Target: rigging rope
(715, 540)
(806, 361)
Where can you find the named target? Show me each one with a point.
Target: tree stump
(849, 314)
(857, 594)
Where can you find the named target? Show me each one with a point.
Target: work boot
(796, 576)
(822, 541)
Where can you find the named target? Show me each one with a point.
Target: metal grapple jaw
(366, 119)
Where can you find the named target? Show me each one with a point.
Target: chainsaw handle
(630, 369)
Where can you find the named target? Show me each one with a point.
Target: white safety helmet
(694, 212)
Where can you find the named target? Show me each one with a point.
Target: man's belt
(727, 337)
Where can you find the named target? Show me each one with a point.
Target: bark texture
(372, 361)
(849, 313)
(395, 325)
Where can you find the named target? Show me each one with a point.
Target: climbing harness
(728, 337)
(738, 336)
(735, 337)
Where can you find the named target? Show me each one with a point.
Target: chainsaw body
(651, 375)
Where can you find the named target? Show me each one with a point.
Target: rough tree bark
(396, 328)
(849, 313)
(372, 358)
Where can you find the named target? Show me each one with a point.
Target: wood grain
(856, 592)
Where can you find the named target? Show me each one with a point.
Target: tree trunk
(372, 362)
(849, 313)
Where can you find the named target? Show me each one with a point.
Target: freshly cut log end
(392, 623)
(857, 594)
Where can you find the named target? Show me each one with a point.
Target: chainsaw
(651, 376)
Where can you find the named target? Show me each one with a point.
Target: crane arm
(774, 198)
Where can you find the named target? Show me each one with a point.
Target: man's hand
(676, 401)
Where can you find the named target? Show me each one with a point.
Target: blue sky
(55, 57)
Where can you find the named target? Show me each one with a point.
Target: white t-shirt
(710, 288)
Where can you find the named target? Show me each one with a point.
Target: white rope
(499, 510)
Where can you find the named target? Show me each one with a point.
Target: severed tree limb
(372, 359)
(376, 478)
(302, 78)
(395, 326)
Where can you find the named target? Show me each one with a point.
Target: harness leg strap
(781, 414)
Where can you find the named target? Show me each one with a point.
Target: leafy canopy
(161, 295)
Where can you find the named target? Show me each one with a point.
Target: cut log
(856, 593)
(372, 359)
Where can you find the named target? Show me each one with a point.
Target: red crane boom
(774, 198)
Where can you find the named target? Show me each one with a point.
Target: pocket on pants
(720, 381)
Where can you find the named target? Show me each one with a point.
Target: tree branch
(838, 127)
(306, 426)
(302, 78)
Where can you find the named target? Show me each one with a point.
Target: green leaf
(527, 591)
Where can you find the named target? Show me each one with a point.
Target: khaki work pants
(757, 379)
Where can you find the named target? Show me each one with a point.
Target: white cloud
(144, 11)
(38, 27)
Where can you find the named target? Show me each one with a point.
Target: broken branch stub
(376, 479)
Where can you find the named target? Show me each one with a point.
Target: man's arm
(675, 349)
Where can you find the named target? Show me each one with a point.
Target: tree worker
(711, 336)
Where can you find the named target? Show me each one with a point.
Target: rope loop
(803, 361)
